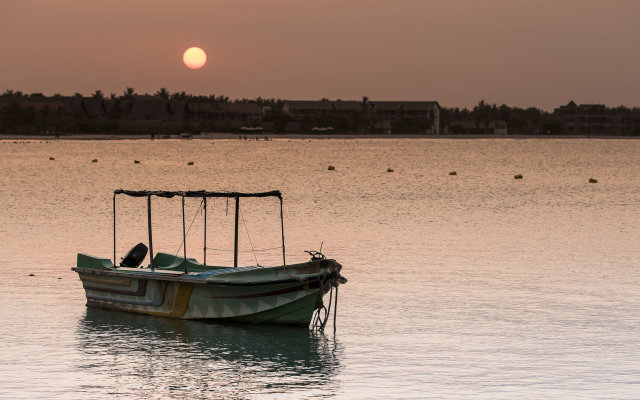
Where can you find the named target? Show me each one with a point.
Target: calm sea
(476, 285)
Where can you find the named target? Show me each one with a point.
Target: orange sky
(522, 53)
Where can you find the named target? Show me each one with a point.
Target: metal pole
(235, 242)
(150, 236)
(284, 261)
(184, 237)
(205, 232)
(114, 229)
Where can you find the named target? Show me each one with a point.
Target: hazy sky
(522, 53)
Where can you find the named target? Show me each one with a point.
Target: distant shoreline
(253, 136)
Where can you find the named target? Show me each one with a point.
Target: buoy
(331, 168)
(389, 169)
(136, 162)
(518, 176)
(591, 180)
(31, 275)
(51, 158)
(190, 163)
(94, 160)
(453, 173)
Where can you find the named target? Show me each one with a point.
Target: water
(467, 286)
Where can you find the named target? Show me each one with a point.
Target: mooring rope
(335, 310)
(321, 316)
(321, 321)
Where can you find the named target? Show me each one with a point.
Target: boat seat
(171, 262)
(87, 261)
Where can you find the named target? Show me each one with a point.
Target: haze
(522, 53)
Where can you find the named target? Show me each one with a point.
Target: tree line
(36, 113)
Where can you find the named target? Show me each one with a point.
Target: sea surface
(467, 286)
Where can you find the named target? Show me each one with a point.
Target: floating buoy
(453, 173)
(190, 163)
(136, 162)
(518, 176)
(51, 158)
(389, 169)
(94, 160)
(31, 275)
(331, 168)
(591, 180)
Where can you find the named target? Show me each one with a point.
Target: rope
(245, 251)
(213, 209)
(320, 322)
(335, 311)
(194, 218)
(249, 237)
(321, 316)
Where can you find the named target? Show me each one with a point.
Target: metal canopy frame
(196, 194)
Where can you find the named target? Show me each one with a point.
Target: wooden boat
(180, 287)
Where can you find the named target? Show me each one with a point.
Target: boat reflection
(200, 359)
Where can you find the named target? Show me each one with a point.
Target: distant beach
(261, 137)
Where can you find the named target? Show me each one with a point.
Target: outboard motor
(135, 256)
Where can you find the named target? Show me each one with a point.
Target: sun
(194, 58)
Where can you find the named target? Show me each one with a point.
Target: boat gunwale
(178, 276)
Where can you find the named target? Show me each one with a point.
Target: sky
(457, 52)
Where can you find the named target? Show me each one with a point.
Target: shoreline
(297, 136)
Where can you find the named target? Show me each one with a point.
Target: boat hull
(288, 298)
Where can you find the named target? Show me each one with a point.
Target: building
(143, 108)
(390, 114)
(245, 112)
(377, 116)
(225, 112)
(341, 107)
(306, 108)
(597, 119)
(467, 127)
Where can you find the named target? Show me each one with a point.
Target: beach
(280, 136)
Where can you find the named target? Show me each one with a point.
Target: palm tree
(179, 96)
(163, 92)
(365, 109)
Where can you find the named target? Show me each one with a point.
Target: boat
(181, 287)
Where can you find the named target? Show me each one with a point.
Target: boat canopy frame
(204, 195)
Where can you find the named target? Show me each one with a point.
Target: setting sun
(194, 58)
